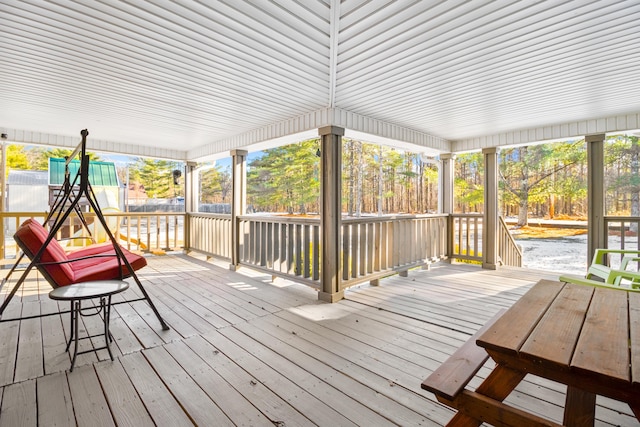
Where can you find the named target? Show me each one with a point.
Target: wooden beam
(238, 201)
(490, 219)
(331, 212)
(597, 235)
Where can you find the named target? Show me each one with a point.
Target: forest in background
(541, 181)
(544, 180)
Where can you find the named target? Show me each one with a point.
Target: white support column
(331, 212)
(3, 185)
(447, 178)
(190, 201)
(445, 195)
(597, 234)
(490, 217)
(238, 201)
(191, 188)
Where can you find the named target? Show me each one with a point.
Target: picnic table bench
(596, 351)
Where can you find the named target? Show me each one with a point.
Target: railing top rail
(467, 215)
(345, 220)
(22, 214)
(209, 215)
(386, 218)
(612, 218)
(280, 219)
(134, 214)
(131, 214)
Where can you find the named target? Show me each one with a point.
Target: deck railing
(10, 223)
(281, 246)
(289, 247)
(210, 234)
(509, 251)
(622, 232)
(371, 247)
(137, 231)
(466, 240)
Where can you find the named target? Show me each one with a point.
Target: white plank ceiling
(189, 79)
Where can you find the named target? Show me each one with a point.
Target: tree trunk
(523, 210)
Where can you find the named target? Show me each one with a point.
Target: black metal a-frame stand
(66, 203)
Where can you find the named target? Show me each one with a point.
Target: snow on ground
(564, 254)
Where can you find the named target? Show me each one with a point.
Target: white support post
(597, 234)
(3, 179)
(238, 201)
(490, 217)
(447, 175)
(191, 188)
(3, 200)
(331, 212)
(190, 200)
(445, 194)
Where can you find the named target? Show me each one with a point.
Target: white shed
(27, 191)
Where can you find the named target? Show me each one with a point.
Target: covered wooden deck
(245, 351)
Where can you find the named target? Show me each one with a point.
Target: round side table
(75, 294)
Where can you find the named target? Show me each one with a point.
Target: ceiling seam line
(334, 30)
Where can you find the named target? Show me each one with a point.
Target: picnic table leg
(635, 407)
(498, 385)
(579, 408)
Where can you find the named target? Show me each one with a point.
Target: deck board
(245, 351)
(312, 378)
(236, 407)
(125, 404)
(261, 397)
(162, 406)
(89, 402)
(361, 383)
(272, 376)
(19, 405)
(200, 408)
(54, 400)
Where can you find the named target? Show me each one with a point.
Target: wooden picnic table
(585, 337)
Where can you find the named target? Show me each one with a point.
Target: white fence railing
(622, 233)
(466, 240)
(289, 247)
(282, 246)
(143, 232)
(371, 247)
(210, 234)
(509, 251)
(466, 237)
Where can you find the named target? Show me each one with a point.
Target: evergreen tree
(215, 185)
(469, 185)
(626, 182)
(157, 177)
(525, 170)
(285, 178)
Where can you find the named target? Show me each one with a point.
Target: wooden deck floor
(244, 351)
